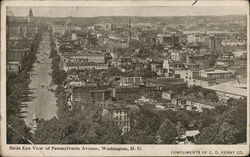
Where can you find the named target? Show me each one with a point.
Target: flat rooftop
(230, 89)
(217, 71)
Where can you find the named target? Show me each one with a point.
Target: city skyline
(125, 76)
(89, 11)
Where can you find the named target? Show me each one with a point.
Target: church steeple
(30, 16)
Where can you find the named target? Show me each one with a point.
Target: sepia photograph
(125, 75)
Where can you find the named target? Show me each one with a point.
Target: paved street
(43, 103)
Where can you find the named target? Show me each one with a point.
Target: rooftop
(216, 71)
(226, 88)
(81, 64)
(202, 78)
(167, 81)
(117, 107)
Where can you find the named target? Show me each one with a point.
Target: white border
(148, 150)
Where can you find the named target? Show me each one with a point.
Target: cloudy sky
(84, 11)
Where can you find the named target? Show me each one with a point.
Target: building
(226, 59)
(187, 75)
(204, 78)
(30, 16)
(191, 38)
(14, 61)
(195, 58)
(168, 95)
(156, 66)
(167, 39)
(212, 43)
(86, 95)
(164, 83)
(83, 57)
(200, 105)
(197, 38)
(234, 42)
(177, 56)
(171, 66)
(120, 115)
(125, 92)
(79, 66)
(101, 97)
(203, 81)
(227, 91)
(125, 61)
(126, 81)
(224, 62)
(25, 28)
(102, 66)
(219, 75)
(192, 66)
(80, 96)
(178, 102)
(84, 66)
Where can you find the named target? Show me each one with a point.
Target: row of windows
(121, 117)
(120, 112)
(221, 77)
(122, 123)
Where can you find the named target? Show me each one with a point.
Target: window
(77, 99)
(13, 67)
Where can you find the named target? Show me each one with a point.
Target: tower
(129, 33)
(30, 16)
(212, 43)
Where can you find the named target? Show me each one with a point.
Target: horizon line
(129, 16)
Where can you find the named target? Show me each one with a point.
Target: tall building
(212, 44)
(129, 34)
(120, 115)
(30, 16)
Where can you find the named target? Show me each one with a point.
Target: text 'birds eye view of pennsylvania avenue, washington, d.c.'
(126, 75)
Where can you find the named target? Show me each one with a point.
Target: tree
(61, 102)
(139, 136)
(239, 107)
(86, 126)
(206, 121)
(144, 126)
(17, 131)
(210, 95)
(218, 133)
(167, 132)
(210, 62)
(17, 92)
(59, 77)
(183, 117)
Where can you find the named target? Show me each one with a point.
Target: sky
(90, 11)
